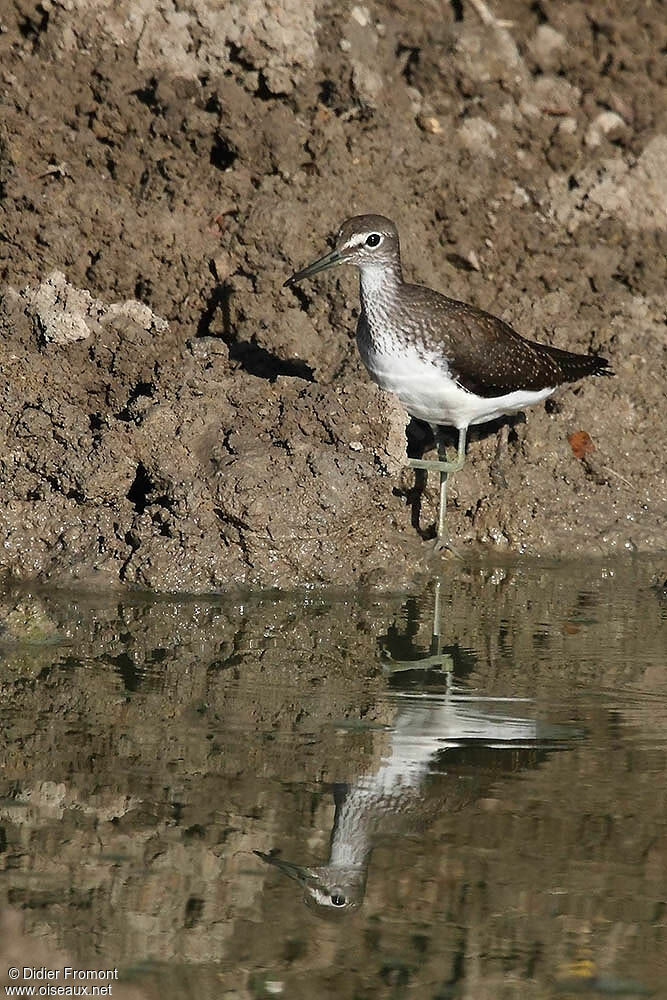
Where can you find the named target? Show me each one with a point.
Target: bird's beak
(300, 875)
(329, 260)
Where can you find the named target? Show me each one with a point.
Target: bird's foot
(433, 465)
(441, 663)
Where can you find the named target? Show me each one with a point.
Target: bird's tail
(576, 366)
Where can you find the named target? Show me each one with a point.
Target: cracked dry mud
(172, 418)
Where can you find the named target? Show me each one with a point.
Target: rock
(362, 42)
(428, 123)
(60, 313)
(546, 47)
(361, 15)
(137, 312)
(477, 135)
(26, 621)
(635, 194)
(554, 95)
(568, 125)
(608, 124)
(367, 82)
(489, 52)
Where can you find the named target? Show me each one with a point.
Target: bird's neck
(379, 283)
(351, 835)
(376, 799)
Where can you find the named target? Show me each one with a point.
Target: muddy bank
(172, 418)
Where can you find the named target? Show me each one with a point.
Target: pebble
(607, 124)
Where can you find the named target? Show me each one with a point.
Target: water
(478, 814)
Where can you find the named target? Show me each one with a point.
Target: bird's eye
(338, 900)
(373, 240)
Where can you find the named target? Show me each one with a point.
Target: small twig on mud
(486, 17)
(55, 170)
(618, 476)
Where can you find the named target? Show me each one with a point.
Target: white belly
(427, 392)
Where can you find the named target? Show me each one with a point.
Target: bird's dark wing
(489, 358)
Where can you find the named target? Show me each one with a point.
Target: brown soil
(173, 418)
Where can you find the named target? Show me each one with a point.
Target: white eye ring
(373, 240)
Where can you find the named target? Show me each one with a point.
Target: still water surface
(458, 792)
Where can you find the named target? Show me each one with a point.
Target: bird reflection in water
(446, 750)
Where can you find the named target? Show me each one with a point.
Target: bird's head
(369, 241)
(330, 890)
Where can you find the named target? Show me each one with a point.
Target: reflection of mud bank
(147, 750)
(191, 158)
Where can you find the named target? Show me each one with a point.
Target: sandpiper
(443, 754)
(448, 362)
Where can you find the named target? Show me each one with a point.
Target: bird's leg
(436, 660)
(441, 465)
(444, 468)
(442, 510)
